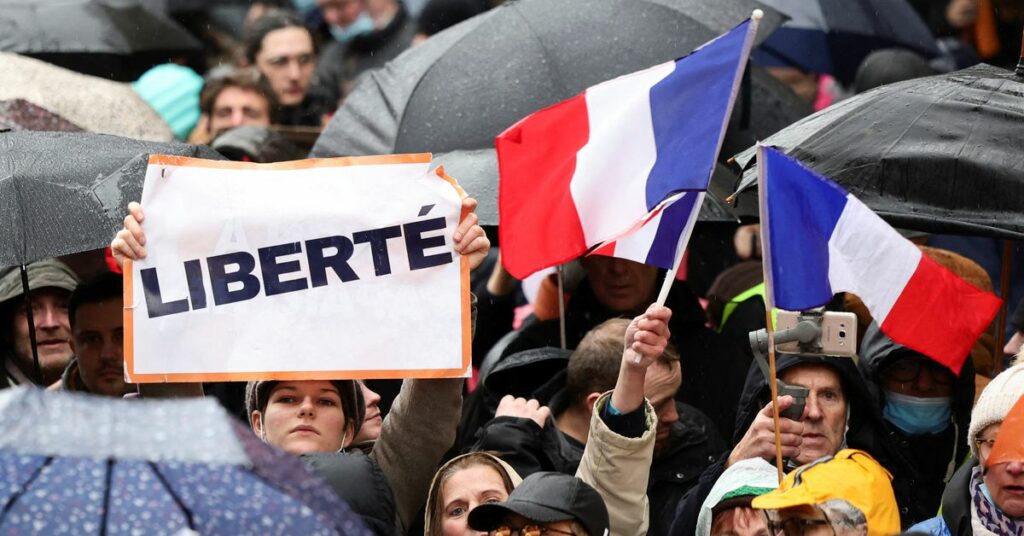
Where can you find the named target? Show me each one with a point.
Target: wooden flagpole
(762, 194)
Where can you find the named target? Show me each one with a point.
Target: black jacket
(956, 501)
(863, 433)
(918, 483)
(713, 367)
(358, 480)
(693, 444)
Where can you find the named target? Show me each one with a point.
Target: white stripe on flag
(637, 246)
(618, 156)
(869, 258)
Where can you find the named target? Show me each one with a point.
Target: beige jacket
(415, 435)
(619, 468)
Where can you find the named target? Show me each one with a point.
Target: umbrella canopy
(940, 154)
(465, 85)
(81, 464)
(833, 36)
(63, 193)
(20, 114)
(118, 39)
(92, 103)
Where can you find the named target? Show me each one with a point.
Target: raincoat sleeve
(619, 468)
(414, 437)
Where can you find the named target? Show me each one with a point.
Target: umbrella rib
(177, 500)
(107, 478)
(24, 487)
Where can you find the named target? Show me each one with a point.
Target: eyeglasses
(527, 530)
(908, 370)
(984, 446)
(795, 526)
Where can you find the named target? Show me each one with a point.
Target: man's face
(802, 520)
(286, 59)
(739, 521)
(918, 376)
(341, 12)
(621, 285)
(824, 416)
(660, 387)
(97, 343)
(235, 107)
(53, 334)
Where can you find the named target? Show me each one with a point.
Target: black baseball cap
(547, 497)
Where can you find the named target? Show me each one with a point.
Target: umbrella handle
(31, 326)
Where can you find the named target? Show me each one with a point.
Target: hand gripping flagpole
(769, 302)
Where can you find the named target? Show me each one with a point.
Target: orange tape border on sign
(129, 298)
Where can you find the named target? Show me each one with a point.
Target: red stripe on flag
(540, 226)
(607, 250)
(940, 315)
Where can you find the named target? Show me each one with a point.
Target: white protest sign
(315, 269)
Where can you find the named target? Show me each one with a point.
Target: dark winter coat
(863, 433)
(529, 448)
(358, 480)
(918, 484)
(713, 367)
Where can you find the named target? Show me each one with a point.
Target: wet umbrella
(63, 193)
(940, 154)
(833, 36)
(20, 114)
(95, 104)
(82, 464)
(465, 85)
(117, 39)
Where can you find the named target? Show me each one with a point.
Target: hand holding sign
(470, 239)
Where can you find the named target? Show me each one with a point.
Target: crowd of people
(614, 416)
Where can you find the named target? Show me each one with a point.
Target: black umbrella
(118, 39)
(941, 154)
(63, 193)
(465, 85)
(833, 36)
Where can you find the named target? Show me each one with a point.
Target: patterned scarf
(988, 514)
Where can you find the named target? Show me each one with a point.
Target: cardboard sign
(314, 269)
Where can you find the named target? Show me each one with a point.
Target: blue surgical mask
(362, 25)
(917, 416)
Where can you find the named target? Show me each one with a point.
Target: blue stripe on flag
(673, 220)
(689, 109)
(803, 208)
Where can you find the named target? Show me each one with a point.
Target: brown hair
(594, 365)
(436, 507)
(245, 78)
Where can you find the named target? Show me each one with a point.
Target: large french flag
(587, 170)
(820, 240)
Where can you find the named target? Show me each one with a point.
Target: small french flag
(820, 240)
(587, 170)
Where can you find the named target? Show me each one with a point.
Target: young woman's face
(302, 417)
(464, 491)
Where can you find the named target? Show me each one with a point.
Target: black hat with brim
(546, 498)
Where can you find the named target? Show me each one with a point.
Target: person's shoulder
(935, 526)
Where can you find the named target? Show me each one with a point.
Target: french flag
(589, 169)
(820, 240)
(656, 239)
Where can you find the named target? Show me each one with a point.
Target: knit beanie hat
(995, 402)
(173, 91)
(258, 393)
